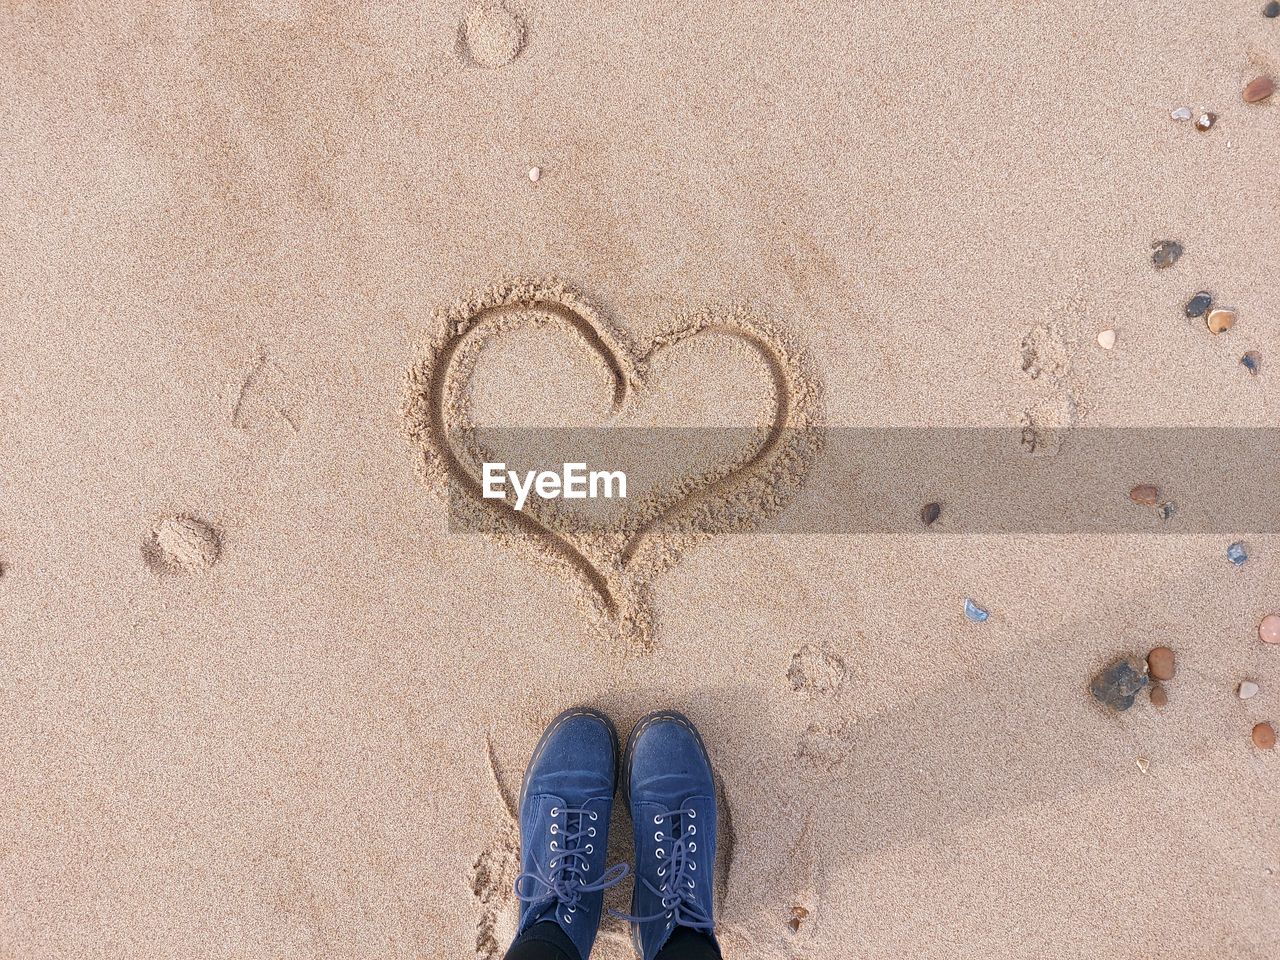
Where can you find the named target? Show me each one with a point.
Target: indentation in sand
(613, 567)
(492, 35)
(181, 544)
(266, 399)
(816, 671)
(825, 744)
(493, 875)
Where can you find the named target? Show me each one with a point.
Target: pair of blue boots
(565, 803)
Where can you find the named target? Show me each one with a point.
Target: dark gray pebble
(1117, 686)
(1165, 253)
(1199, 305)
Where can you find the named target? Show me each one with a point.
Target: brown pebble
(1159, 696)
(1160, 663)
(1205, 122)
(929, 513)
(1145, 494)
(1264, 736)
(798, 913)
(1220, 320)
(1258, 89)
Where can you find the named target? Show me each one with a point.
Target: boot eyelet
(555, 811)
(554, 828)
(594, 815)
(692, 865)
(662, 871)
(692, 814)
(657, 835)
(553, 845)
(690, 884)
(586, 868)
(659, 853)
(693, 848)
(590, 848)
(591, 831)
(692, 829)
(657, 820)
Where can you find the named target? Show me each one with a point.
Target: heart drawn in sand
(613, 565)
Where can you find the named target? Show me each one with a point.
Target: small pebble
(975, 612)
(1168, 509)
(1272, 9)
(1160, 663)
(1247, 690)
(1180, 113)
(1159, 696)
(1269, 628)
(1107, 339)
(1165, 252)
(1146, 494)
(1237, 553)
(929, 513)
(797, 914)
(1220, 320)
(1198, 305)
(535, 174)
(1117, 686)
(1258, 89)
(1252, 361)
(1264, 736)
(1144, 764)
(1205, 122)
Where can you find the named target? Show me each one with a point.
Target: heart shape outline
(613, 569)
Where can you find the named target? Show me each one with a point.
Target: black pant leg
(686, 944)
(543, 941)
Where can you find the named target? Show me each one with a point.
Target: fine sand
(278, 275)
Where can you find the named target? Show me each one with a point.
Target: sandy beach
(270, 673)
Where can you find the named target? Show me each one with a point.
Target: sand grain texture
(225, 232)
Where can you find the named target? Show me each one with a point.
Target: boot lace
(565, 878)
(675, 869)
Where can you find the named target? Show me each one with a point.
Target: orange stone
(1258, 89)
(1160, 663)
(1145, 494)
(1220, 320)
(1264, 736)
(1269, 628)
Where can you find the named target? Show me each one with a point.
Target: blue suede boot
(668, 784)
(565, 802)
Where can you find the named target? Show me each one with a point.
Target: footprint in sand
(491, 36)
(1045, 353)
(816, 671)
(181, 544)
(825, 744)
(1050, 411)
